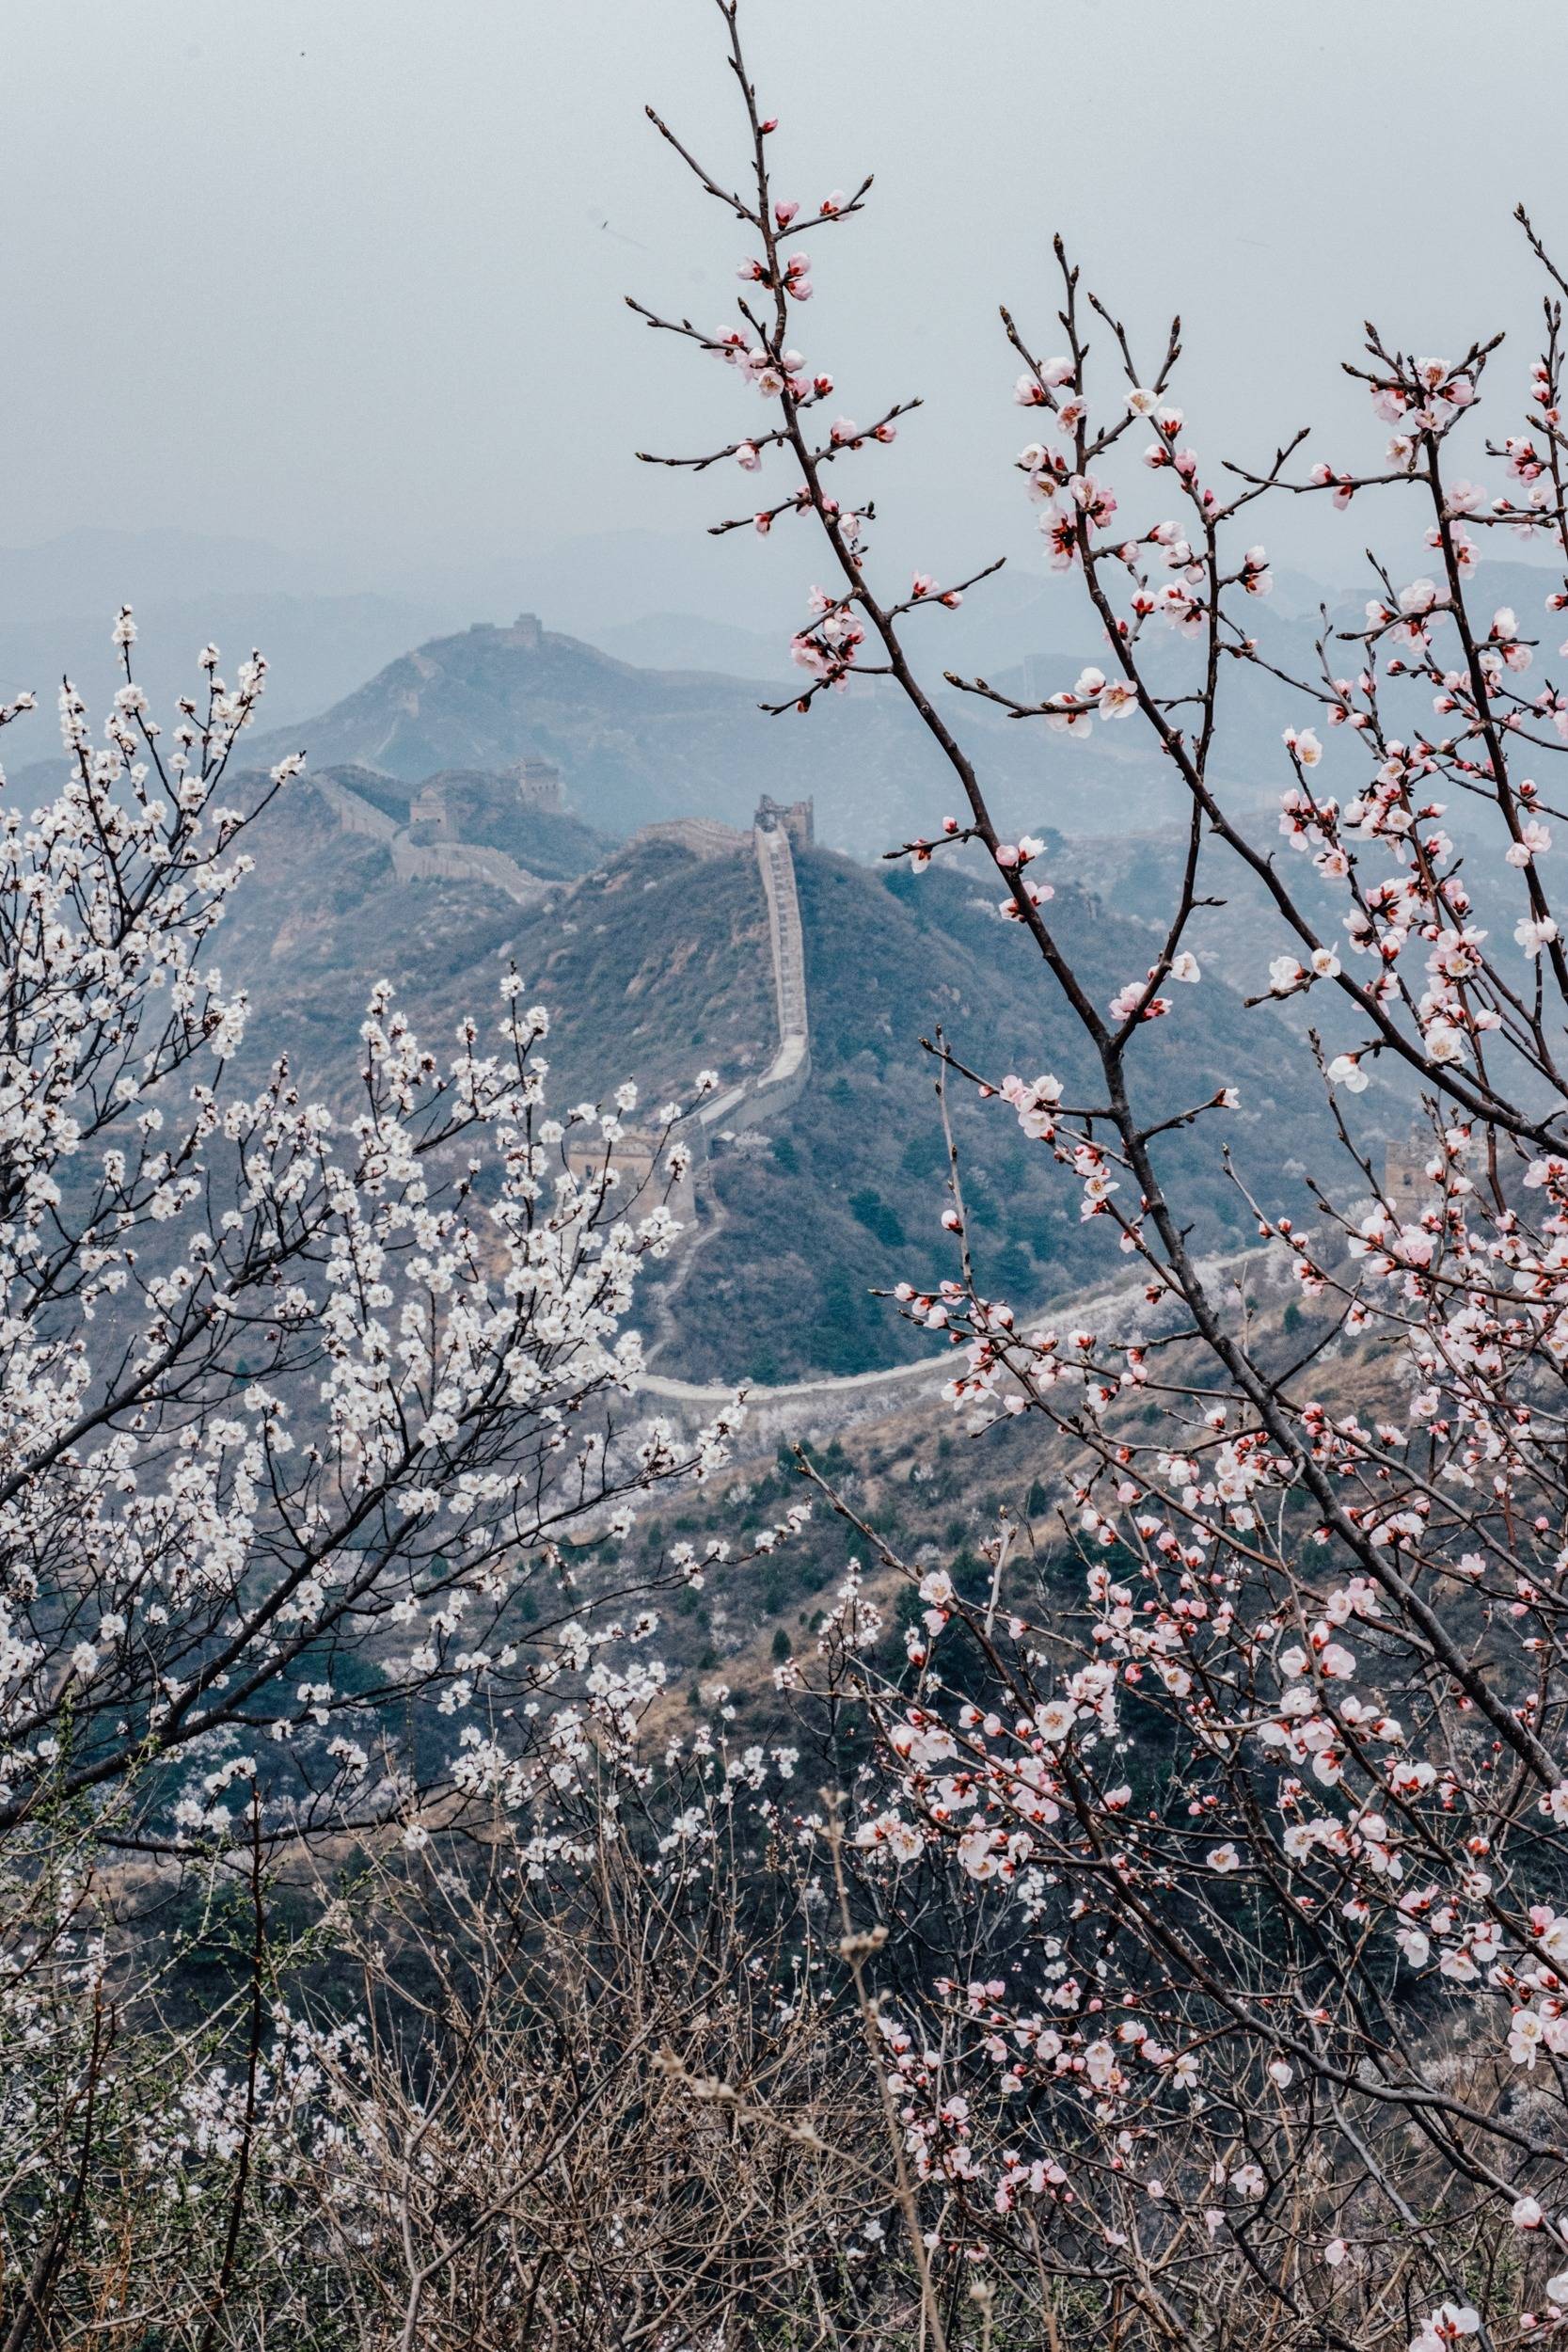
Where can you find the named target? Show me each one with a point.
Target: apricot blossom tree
(292, 1405)
(1253, 2006)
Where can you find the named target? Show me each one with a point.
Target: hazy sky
(346, 274)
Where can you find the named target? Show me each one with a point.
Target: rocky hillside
(849, 1192)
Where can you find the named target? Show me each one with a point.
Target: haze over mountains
(653, 960)
(340, 652)
(636, 743)
(398, 673)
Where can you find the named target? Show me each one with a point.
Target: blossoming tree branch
(1248, 1853)
(293, 1406)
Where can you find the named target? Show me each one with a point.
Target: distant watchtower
(525, 633)
(538, 782)
(794, 818)
(428, 820)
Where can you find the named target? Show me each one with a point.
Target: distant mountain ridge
(633, 744)
(650, 714)
(637, 745)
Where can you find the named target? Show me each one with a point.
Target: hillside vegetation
(655, 965)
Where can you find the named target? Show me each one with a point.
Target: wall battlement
(421, 851)
(539, 784)
(782, 1083)
(354, 815)
(704, 836)
(791, 1065)
(424, 851)
(428, 817)
(464, 861)
(797, 817)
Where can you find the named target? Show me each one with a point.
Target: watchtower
(794, 818)
(538, 782)
(428, 817)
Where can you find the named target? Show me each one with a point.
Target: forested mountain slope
(654, 964)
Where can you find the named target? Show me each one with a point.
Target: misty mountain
(636, 744)
(322, 632)
(316, 648)
(651, 716)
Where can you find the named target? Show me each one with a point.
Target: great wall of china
(424, 849)
(421, 850)
(804, 1409)
(430, 860)
(781, 1085)
(812, 1410)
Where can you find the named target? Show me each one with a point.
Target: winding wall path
(1113, 1312)
(784, 1081)
(465, 860)
(437, 861)
(777, 867)
(1118, 1313)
